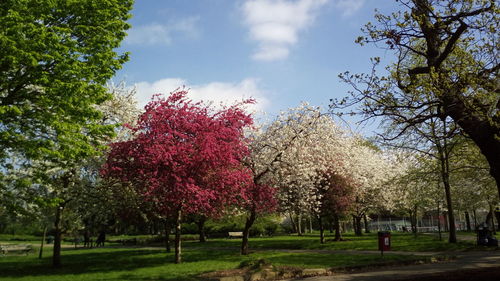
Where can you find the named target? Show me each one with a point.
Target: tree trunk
(358, 230)
(446, 222)
(451, 217)
(178, 221)
(201, 228)
(299, 224)
(56, 256)
(439, 222)
(365, 220)
(481, 130)
(292, 221)
(475, 218)
(413, 221)
(43, 241)
(166, 225)
(493, 228)
(445, 176)
(321, 231)
(467, 221)
(330, 225)
(310, 224)
(246, 232)
(336, 226)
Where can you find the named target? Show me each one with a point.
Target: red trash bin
(384, 241)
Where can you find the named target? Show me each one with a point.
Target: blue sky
(280, 52)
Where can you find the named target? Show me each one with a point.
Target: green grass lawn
(147, 264)
(399, 242)
(136, 263)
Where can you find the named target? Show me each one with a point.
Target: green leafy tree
(55, 58)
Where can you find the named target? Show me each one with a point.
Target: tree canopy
(55, 59)
(185, 157)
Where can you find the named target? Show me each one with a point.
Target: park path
(464, 261)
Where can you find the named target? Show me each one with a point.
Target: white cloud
(162, 34)
(349, 7)
(275, 24)
(216, 92)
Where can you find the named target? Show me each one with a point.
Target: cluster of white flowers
(121, 109)
(302, 146)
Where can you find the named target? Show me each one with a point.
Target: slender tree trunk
(451, 217)
(445, 175)
(299, 224)
(353, 224)
(246, 231)
(446, 222)
(330, 224)
(292, 220)
(439, 222)
(166, 225)
(365, 220)
(475, 218)
(40, 254)
(493, 228)
(56, 256)
(201, 228)
(467, 221)
(310, 224)
(178, 258)
(336, 226)
(359, 226)
(321, 231)
(413, 221)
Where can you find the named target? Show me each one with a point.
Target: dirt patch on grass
(225, 273)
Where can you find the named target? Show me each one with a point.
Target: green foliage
(55, 57)
(266, 226)
(263, 226)
(222, 226)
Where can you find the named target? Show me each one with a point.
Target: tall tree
(453, 46)
(74, 183)
(55, 58)
(369, 170)
(268, 146)
(184, 157)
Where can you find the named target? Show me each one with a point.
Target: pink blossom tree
(185, 157)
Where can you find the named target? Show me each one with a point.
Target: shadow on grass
(105, 261)
(337, 260)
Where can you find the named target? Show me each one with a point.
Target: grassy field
(148, 264)
(140, 263)
(400, 242)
